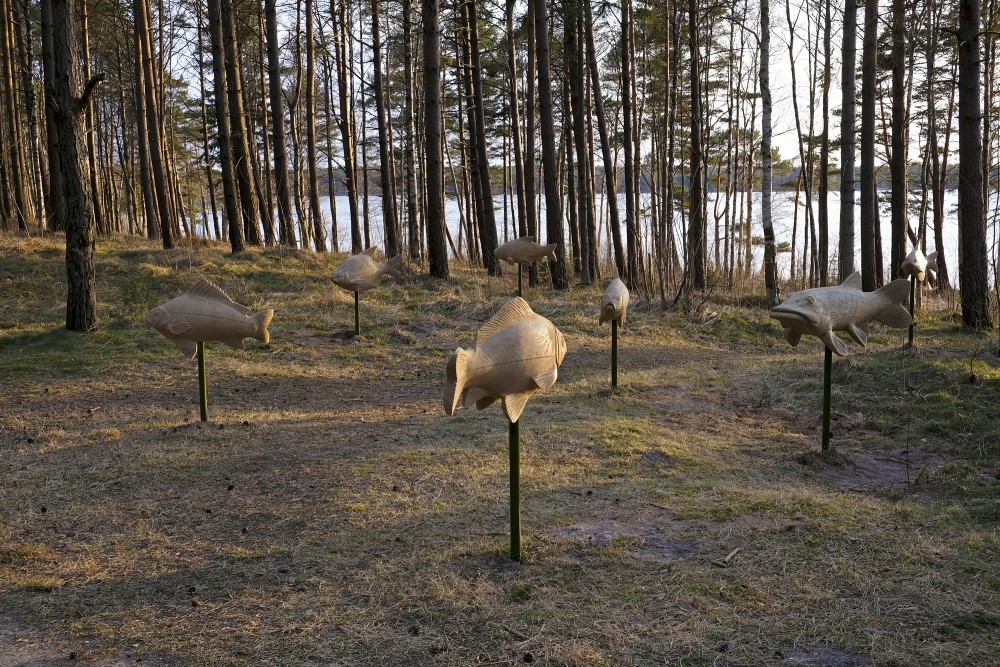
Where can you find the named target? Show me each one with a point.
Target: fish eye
(811, 299)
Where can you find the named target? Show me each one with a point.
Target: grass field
(330, 513)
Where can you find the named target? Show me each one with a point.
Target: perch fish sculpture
(614, 302)
(206, 313)
(917, 265)
(823, 310)
(361, 272)
(517, 353)
(524, 251)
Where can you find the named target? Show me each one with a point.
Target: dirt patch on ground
(653, 542)
(23, 646)
(861, 470)
(825, 657)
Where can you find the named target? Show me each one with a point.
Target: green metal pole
(357, 316)
(514, 434)
(827, 372)
(614, 353)
(913, 289)
(519, 269)
(202, 382)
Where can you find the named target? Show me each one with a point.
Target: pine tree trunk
(319, 233)
(847, 139)
(869, 205)
(972, 266)
(696, 223)
(487, 222)
(62, 81)
(770, 259)
(550, 161)
(897, 248)
(577, 79)
(237, 116)
(437, 253)
(389, 223)
(229, 192)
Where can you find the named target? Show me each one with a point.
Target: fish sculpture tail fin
(455, 386)
(260, 322)
(893, 313)
(394, 267)
(550, 251)
(932, 262)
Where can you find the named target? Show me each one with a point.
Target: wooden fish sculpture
(206, 313)
(614, 302)
(823, 310)
(524, 251)
(916, 264)
(361, 272)
(517, 353)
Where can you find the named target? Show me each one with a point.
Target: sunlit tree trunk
(319, 233)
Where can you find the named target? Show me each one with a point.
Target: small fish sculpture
(517, 353)
(524, 251)
(822, 310)
(917, 265)
(361, 272)
(614, 302)
(206, 313)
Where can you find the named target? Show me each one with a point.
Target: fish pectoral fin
(513, 405)
(485, 402)
(188, 347)
(835, 344)
(792, 336)
(178, 328)
(235, 343)
(547, 379)
(859, 336)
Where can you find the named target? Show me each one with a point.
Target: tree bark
(770, 259)
(972, 265)
(848, 128)
(229, 192)
(869, 205)
(897, 251)
(553, 201)
(696, 223)
(437, 253)
(62, 81)
(319, 233)
(385, 165)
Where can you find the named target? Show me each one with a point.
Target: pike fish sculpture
(361, 272)
(524, 251)
(918, 266)
(206, 313)
(517, 353)
(823, 310)
(614, 302)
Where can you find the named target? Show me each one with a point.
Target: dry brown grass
(330, 514)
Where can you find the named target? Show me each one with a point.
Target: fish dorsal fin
(512, 311)
(529, 239)
(513, 405)
(853, 281)
(208, 290)
(370, 251)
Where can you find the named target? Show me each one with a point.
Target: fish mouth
(789, 317)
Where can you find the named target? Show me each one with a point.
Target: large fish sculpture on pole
(524, 251)
(823, 310)
(361, 272)
(517, 353)
(206, 313)
(918, 266)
